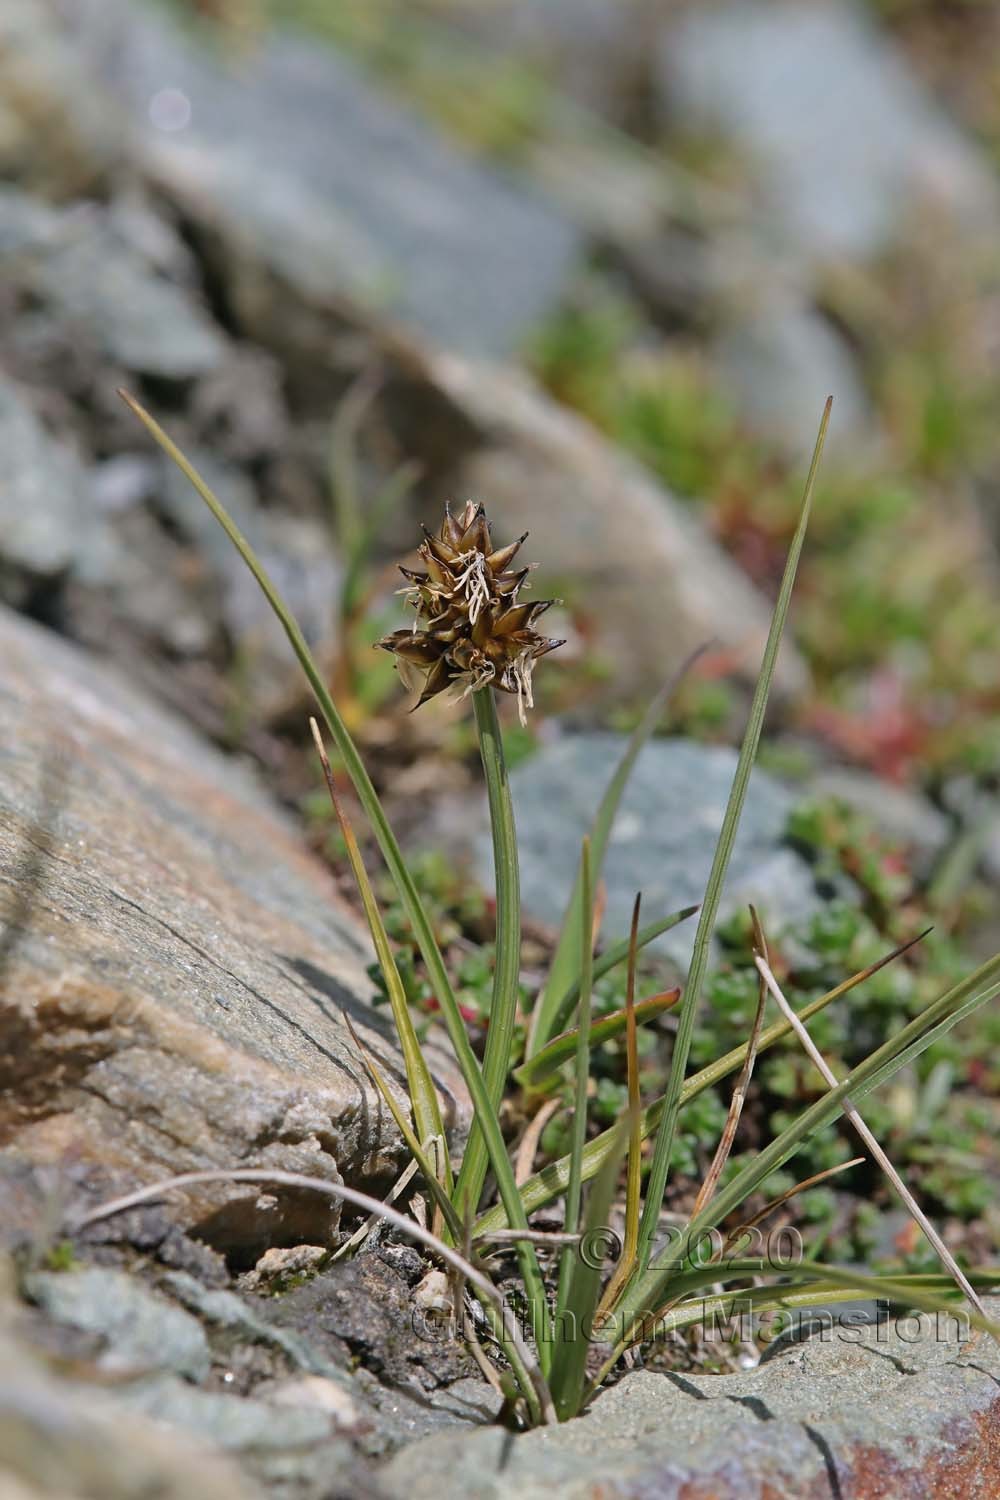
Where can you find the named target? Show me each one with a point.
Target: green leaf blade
(660, 1166)
(975, 990)
(507, 969)
(391, 853)
(537, 1069)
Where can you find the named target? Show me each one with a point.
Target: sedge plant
(472, 635)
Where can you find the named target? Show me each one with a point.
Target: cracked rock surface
(303, 1395)
(176, 971)
(905, 1409)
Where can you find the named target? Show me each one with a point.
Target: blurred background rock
(595, 263)
(686, 224)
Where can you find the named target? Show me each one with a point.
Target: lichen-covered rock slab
(176, 974)
(905, 1408)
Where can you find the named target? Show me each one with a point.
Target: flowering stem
(503, 1006)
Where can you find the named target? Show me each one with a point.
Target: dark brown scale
(475, 633)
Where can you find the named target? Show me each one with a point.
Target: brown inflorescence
(475, 633)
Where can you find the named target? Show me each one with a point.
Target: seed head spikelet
(475, 632)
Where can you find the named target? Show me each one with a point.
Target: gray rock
(176, 969)
(663, 839)
(781, 363)
(908, 1410)
(59, 538)
(297, 552)
(384, 1414)
(141, 321)
(640, 565)
(138, 590)
(901, 815)
(276, 1267)
(366, 1306)
(42, 78)
(133, 1424)
(120, 579)
(80, 545)
(33, 1201)
(234, 1424)
(67, 1439)
(27, 225)
(403, 1417)
(118, 484)
(845, 140)
(469, 1400)
(597, 49)
(227, 1310)
(102, 291)
(291, 1448)
(143, 1332)
(991, 850)
(977, 812)
(43, 499)
(295, 160)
